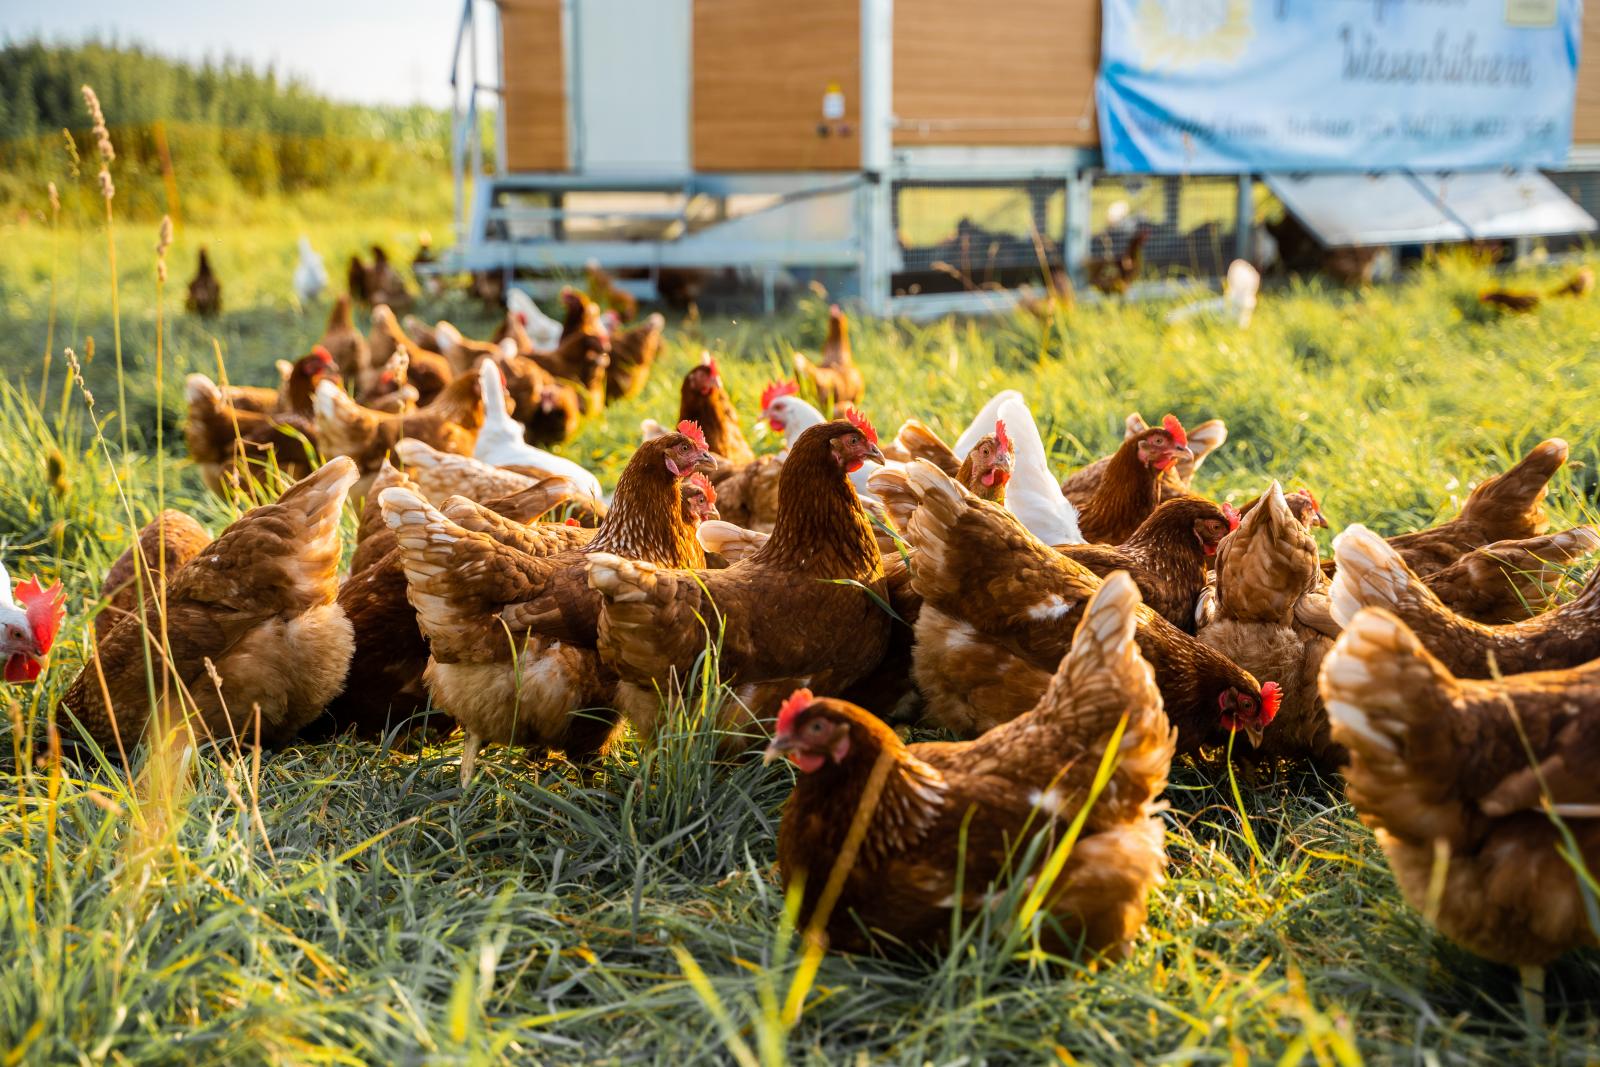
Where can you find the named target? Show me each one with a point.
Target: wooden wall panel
(535, 85)
(760, 70)
(1003, 72)
(1586, 109)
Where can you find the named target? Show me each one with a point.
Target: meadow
(349, 903)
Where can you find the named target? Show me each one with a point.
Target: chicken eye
(816, 726)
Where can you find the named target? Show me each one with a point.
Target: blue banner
(1228, 86)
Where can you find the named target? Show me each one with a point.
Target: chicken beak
(875, 454)
(1253, 732)
(777, 750)
(706, 464)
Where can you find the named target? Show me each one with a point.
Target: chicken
(450, 424)
(633, 353)
(1372, 574)
(1579, 285)
(834, 378)
(348, 348)
(1505, 507)
(254, 638)
(1167, 555)
(297, 382)
(422, 335)
(582, 357)
(1453, 776)
(463, 353)
(442, 475)
(702, 399)
(795, 611)
(555, 410)
(1032, 495)
(1115, 275)
(384, 284)
(391, 392)
(310, 276)
(30, 617)
(428, 371)
(165, 544)
(386, 674)
(1303, 506)
(945, 822)
(543, 331)
(231, 445)
(205, 290)
(1267, 582)
(607, 294)
(1510, 580)
(509, 618)
(1130, 489)
(355, 277)
(1176, 480)
(998, 607)
(500, 441)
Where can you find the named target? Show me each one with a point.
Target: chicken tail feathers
(1371, 574)
(1519, 492)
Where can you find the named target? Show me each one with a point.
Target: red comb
(700, 482)
(45, 609)
(1231, 513)
(1002, 440)
(860, 422)
(1311, 497)
(522, 317)
(1174, 428)
(692, 431)
(798, 701)
(572, 522)
(776, 389)
(1271, 697)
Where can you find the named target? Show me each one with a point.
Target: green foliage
(223, 133)
(348, 903)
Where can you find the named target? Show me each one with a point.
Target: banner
(1228, 86)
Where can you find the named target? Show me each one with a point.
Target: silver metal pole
(877, 131)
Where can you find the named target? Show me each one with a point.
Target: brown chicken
(1302, 505)
(429, 372)
(205, 290)
(384, 284)
(1176, 480)
(1116, 274)
(297, 382)
(449, 424)
(794, 612)
(441, 475)
(234, 447)
(165, 544)
(1453, 776)
(834, 378)
(1372, 574)
(608, 294)
(1130, 488)
(702, 399)
(555, 408)
(946, 823)
(1506, 507)
(386, 674)
(1167, 556)
(998, 608)
(258, 606)
(509, 617)
(1266, 591)
(633, 353)
(345, 343)
(1514, 300)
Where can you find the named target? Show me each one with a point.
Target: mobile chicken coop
(913, 154)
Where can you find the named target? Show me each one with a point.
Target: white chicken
(1034, 494)
(310, 276)
(501, 442)
(1237, 302)
(544, 331)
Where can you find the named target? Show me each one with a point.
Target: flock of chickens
(1075, 635)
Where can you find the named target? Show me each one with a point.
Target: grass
(349, 904)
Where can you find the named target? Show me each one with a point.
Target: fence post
(1244, 223)
(1079, 225)
(877, 119)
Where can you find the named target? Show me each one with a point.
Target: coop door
(632, 86)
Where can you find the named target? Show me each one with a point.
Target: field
(348, 903)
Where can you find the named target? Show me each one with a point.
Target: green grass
(348, 904)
